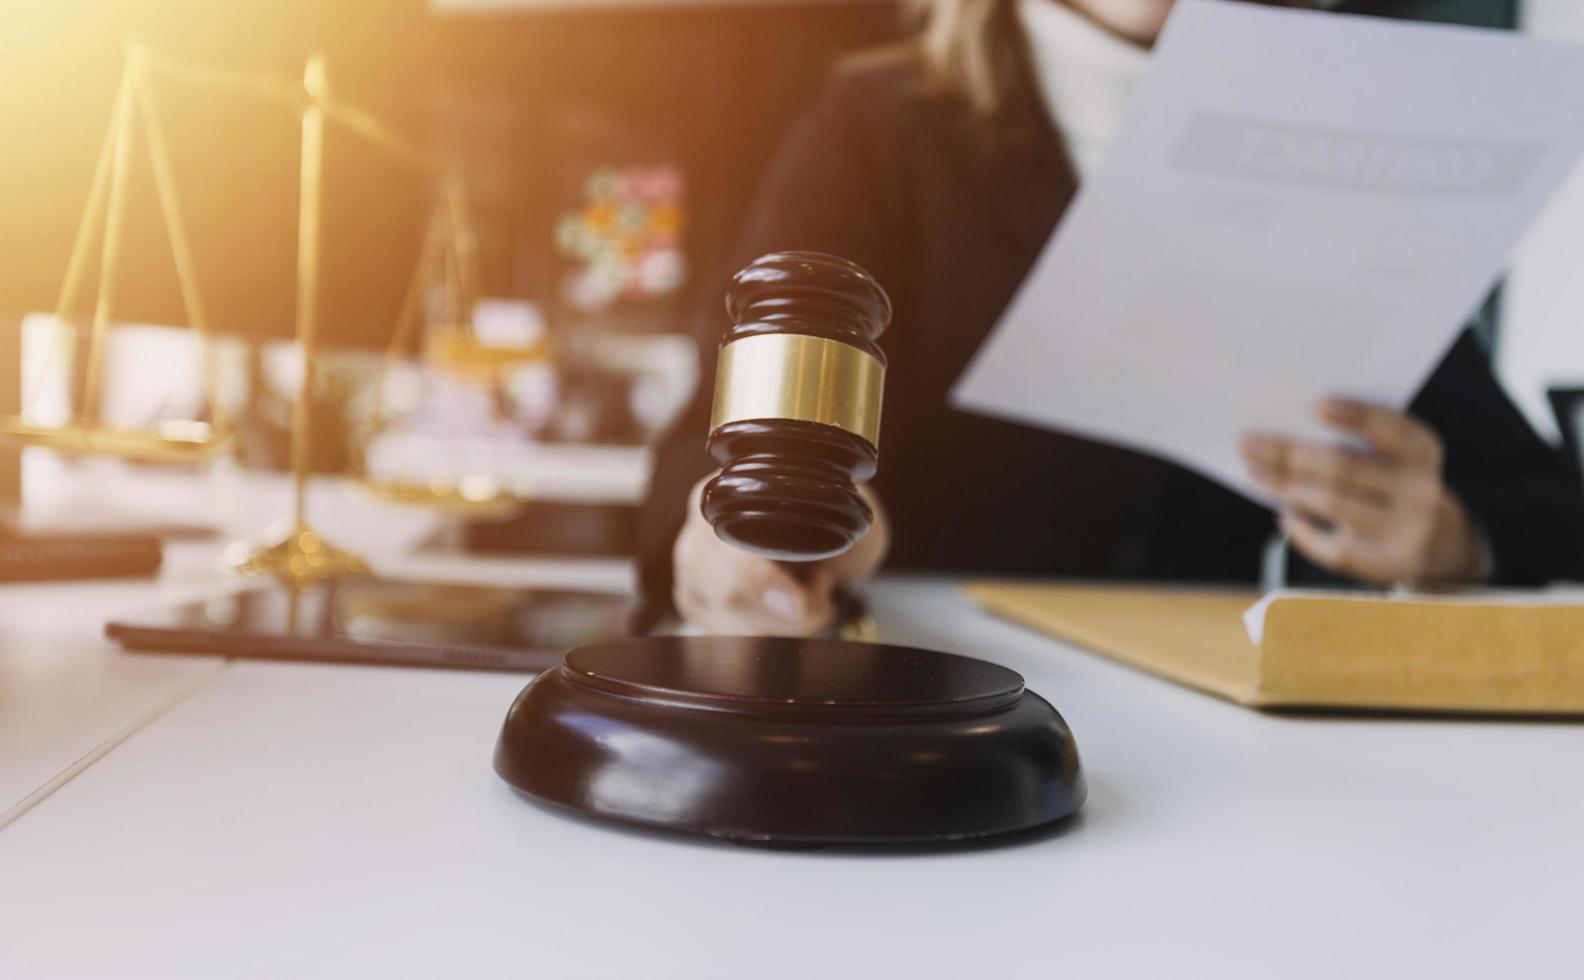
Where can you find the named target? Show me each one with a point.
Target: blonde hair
(973, 47)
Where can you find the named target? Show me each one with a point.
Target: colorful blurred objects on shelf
(625, 243)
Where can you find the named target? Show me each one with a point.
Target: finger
(756, 621)
(1327, 548)
(771, 599)
(696, 610)
(745, 610)
(866, 555)
(817, 595)
(687, 602)
(1279, 463)
(761, 584)
(820, 598)
(719, 618)
(1363, 515)
(692, 606)
(708, 575)
(1370, 559)
(1391, 433)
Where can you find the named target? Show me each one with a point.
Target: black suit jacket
(889, 172)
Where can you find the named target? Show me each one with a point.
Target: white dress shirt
(1087, 76)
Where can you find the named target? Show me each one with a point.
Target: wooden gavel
(796, 419)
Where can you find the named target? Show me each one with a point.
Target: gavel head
(796, 421)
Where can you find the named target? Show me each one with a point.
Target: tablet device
(379, 621)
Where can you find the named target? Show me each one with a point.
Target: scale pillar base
(302, 559)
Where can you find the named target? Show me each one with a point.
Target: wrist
(1458, 551)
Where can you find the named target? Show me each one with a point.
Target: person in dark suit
(942, 166)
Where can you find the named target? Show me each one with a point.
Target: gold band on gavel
(794, 376)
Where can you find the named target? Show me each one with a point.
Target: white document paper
(1300, 205)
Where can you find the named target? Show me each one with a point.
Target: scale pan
(455, 351)
(454, 499)
(169, 442)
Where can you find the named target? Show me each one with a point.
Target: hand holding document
(1301, 205)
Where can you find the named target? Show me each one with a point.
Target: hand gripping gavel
(796, 419)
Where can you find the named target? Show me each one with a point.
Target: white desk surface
(65, 696)
(315, 820)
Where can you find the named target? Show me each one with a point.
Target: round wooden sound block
(784, 740)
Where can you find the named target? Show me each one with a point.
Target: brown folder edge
(1315, 658)
(1424, 655)
(1012, 601)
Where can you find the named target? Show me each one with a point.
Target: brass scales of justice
(302, 557)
